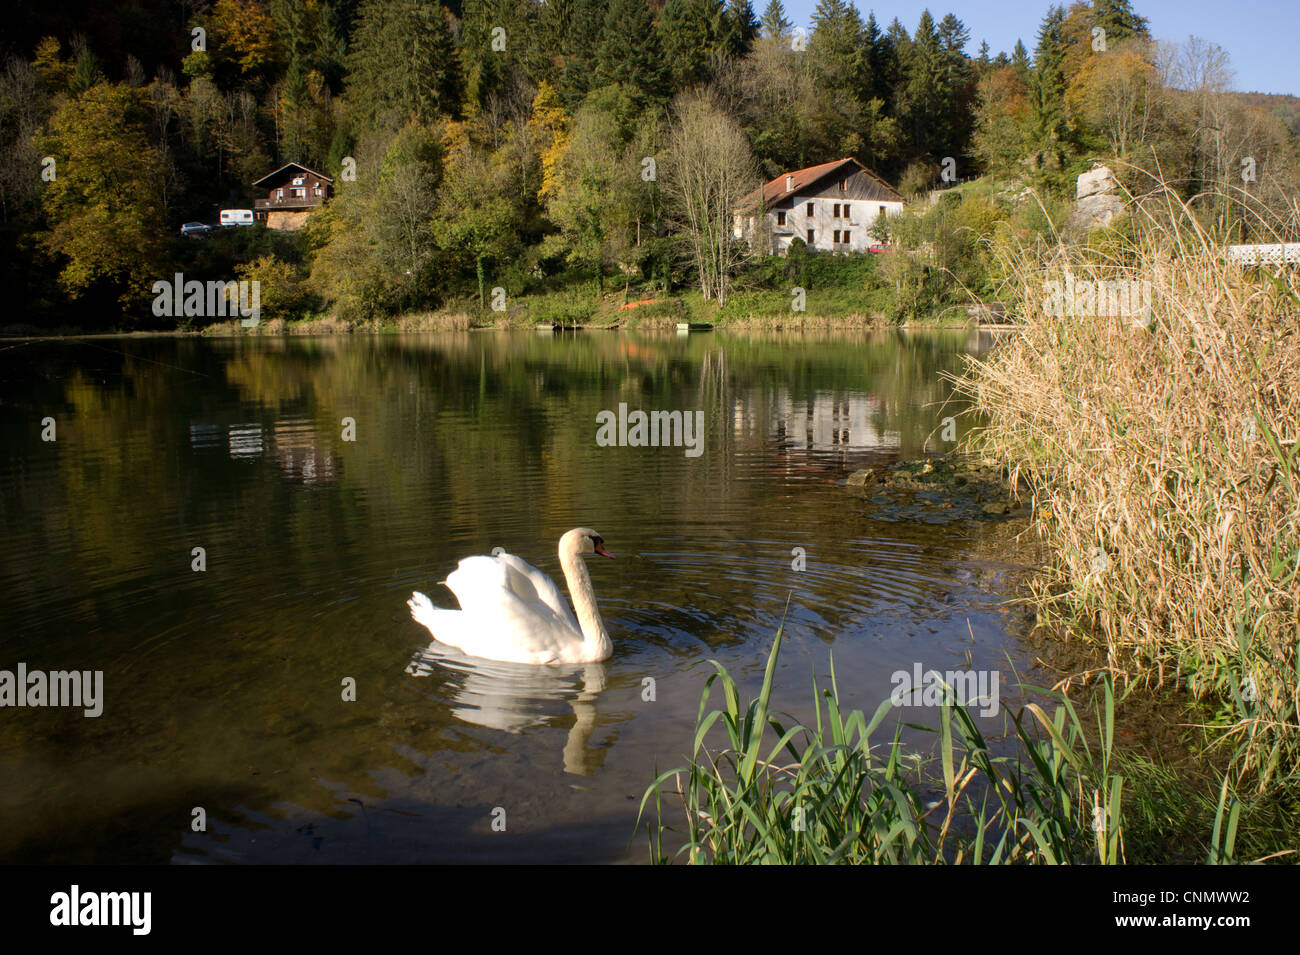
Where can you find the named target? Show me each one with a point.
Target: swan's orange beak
(600, 549)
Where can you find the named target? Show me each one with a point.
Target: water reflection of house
(241, 440)
(829, 421)
(244, 440)
(297, 451)
(298, 454)
(204, 437)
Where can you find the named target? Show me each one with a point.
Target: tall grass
(782, 792)
(774, 791)
(1162, 457)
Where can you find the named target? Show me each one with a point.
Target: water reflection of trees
(464, 436)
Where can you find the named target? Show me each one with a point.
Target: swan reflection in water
(514, 697)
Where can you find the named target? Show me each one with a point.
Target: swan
(511, 611)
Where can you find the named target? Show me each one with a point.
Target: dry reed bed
(1161, 455)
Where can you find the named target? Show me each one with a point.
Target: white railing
(1275, 254)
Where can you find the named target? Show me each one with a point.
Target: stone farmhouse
(832, 207)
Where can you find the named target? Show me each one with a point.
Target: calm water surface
(224, 688)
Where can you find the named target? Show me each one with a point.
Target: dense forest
(533, 146)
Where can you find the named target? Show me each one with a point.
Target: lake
(229, 530)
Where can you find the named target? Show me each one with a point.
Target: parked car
(236, 216)
(195, 230)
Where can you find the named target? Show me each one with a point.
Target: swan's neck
(595, 640)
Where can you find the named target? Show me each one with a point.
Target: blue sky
(1259, 35)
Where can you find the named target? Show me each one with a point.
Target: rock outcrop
(1096, 199)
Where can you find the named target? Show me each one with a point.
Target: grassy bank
(1160, 453)
(802, 289)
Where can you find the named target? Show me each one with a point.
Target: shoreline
(328, 329)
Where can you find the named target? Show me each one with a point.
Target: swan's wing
(479, 583)
(504, 616)
(544, 587)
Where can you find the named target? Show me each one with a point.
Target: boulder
(1098, 200)
(863, 477)
(1095, 182)
(1097, 211)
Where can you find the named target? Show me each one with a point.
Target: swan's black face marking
(598, 543)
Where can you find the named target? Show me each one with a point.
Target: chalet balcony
(270, 205)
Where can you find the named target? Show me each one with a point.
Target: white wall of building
(852, 219)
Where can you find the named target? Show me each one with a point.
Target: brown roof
(775, 191)
(299, 165)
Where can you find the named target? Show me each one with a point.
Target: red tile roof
(776, 191)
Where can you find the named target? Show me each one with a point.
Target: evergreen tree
(956, 85)
(922, 103)
(744, 26)
(882, 61)
(837, 49)
(1119, 20)
(403, 64)
(774, 22)
(895, 49)
(85, 73)
(629, 52)
(1020, 62)
(580, 39)
(687, 32)
(1047, 90)
(329, 49)
(485, 67)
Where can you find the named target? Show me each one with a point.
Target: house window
(836, 240)
(835, 213)
(844, 185)
(810, 236)
(279, 193)
(298, 193)
(882, 210)
(298, 180)
(844, 210)
(780, 217)
(847, 236)
(316, 190)
(808, 209)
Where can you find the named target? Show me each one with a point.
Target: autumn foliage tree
(105, 203)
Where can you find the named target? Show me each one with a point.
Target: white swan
(510, 610)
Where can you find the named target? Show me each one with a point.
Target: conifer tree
(581, 36)
(1119, 20)
(882, 60)
(956, 85)
(687, 31)
(629, 52)
(1020, 62)
(837, 49)
(744, 26)
(922, 102)
(403, 64)
(1047, 89)
(774, 22)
